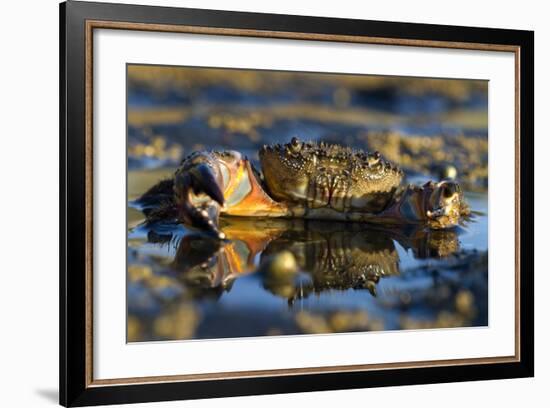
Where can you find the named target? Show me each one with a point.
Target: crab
(327, 256)
(308, 180)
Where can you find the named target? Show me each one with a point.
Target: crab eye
(448, 191)
(295, 144)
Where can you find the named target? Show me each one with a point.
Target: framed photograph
(256, 203)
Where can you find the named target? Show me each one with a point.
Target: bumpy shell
(322, 175)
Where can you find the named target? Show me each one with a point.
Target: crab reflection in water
(298, 261)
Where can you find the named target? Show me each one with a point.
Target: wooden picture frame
(78, 20)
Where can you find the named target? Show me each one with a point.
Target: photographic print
(267, 203)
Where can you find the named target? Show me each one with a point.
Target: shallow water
(351, 277)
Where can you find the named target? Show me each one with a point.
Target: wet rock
(281, 265)
(177, 323)
(465, 303)
(134, 329)
(447, 156)
(141, 301)
(312, 324)
(164, 287)
(138, 273)
(336, 322)
(448, 172)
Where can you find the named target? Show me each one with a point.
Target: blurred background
(433, 128)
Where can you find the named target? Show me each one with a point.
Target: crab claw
(446, 204)
(203, 180)
(198, 189)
